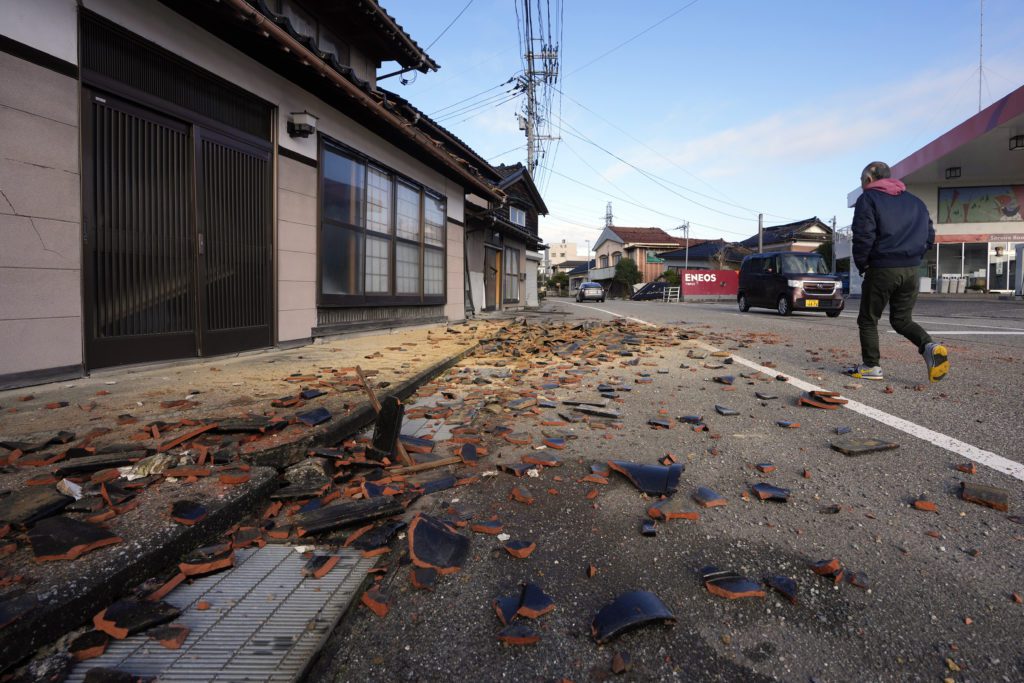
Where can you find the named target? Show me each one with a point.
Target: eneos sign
(709, 282)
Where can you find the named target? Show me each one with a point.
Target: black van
(789, 281)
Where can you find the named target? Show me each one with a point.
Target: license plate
(811, 303)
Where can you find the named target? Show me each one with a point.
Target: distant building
(642, 245)
(706, 255)
(805, 235)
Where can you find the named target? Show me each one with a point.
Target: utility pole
(541, 72)
(608, 216)
(760, 233)
(685, 227)
(981, 44)
(833, 245)
(588, 260)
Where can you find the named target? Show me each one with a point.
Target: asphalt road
(940, 603)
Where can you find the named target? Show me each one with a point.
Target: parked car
(652, 291)
(789, 281)
(590, 291)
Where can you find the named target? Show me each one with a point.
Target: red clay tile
(89, 645)
(432, 544)
(128, 616)
(826, 567)
(520, 549)
(730, 585)
(925, 505)
(161, 592)
(172, 637)
(63, 538)
(520, 494)
(967, 468)
(518, 635)
(982, 494)
(318, 566)
(377, 602)
(489, 527)
(591, 494)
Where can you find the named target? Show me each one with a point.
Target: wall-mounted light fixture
(952, 172)
(301, 124)
(1017, 142)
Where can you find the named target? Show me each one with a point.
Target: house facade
(186, 179)
(642, 245)
(502, 243)
(705, 255)
(805, 235)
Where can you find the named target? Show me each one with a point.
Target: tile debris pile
(524, 388)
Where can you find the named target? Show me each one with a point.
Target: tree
(671, 277)
(627, 274)
(825, 249)
(559, 280)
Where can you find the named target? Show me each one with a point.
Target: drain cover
(264, 622)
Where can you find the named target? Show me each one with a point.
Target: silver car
(590, 291)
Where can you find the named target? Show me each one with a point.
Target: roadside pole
(760, 233)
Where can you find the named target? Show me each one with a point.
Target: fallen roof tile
(518, 634)
(989, 496)
(730, 585)
(726, 411)
(129, 616)
(784, 585)
(207, 560)
(629, 610)
(25, 507)
(433, 544)
(861, 446)
(521, 494)
(769, 492)
(63, 538)
(377, 602)
(534, 602)
(925, 505)
(707, 498)
(318, 566)
(172, 636)
(89, 645)
(669, 509)
(188, 512)
(648, 527)
(423, 578)
(542, 460)
(520, 549)
(490, 527)
(651, 479)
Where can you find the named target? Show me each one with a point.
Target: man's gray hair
(876, 170)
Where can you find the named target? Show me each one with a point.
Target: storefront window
(950, 259)
(975, 262)
(999, 255)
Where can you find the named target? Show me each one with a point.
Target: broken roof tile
(669, 509)
(925, 505)
(726, 411)
(314, 417)
(769, 492)
(629, 610)
(534, 602)
(63, 538)
(423, 578)
(89, 645)
(318, 566)
(542, 460)
(520, 549)
(172, 636)
(651, 479)
(861, 446)
(648, 527)
(518, 634)
(491, 527)
(730, 585)
(129, 616)
(25, 507)
(377, 602)
(207, 560)
(432, 544)
(989, 496)
(784, 585)
(707, 498)
(188, 512)
(521, 494)
(517, 469)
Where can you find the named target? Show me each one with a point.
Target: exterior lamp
(952, 172)
(1017, 142)
(301, 124)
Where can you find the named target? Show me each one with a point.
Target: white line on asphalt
(961, 448)
(940, 333)
(931, 321)
(966, 450)
(614, 314)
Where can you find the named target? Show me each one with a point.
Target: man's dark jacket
(891, 227)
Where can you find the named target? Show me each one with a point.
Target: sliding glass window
(382, 237)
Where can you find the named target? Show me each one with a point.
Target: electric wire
(450, 24)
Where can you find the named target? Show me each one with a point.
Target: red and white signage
(709, 282)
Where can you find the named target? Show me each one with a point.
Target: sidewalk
(229, 425)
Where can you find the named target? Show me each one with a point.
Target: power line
(630, 40)
(450, 24)
(471, 97)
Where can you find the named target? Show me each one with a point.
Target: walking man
(891, 233)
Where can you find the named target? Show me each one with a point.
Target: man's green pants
(896, 287)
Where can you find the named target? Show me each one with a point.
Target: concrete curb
(21, 639)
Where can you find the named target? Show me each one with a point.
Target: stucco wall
(40, 219)
(296, 249)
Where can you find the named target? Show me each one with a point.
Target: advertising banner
(709, 282)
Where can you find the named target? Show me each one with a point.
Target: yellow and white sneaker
(936, 357)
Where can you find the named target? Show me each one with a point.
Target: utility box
(925, 285)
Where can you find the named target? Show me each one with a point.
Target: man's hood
(888, 186)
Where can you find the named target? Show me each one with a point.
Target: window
(511, 291)
(604, 260)
(517, 216)
(382, 238)
(616, 257)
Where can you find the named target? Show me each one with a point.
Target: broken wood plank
(399, 448)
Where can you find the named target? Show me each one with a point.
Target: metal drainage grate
(265, 621)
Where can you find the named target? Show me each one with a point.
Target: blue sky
(734, 107)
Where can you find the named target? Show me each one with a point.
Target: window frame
(512, 218)
(391, 298)
(511, 275)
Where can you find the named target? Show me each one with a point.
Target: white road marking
(940, 333)
(961, 448)
(932, 321)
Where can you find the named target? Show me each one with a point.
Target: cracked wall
(40, 219)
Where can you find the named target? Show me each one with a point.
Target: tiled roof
(790, 232)
(645, 236)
